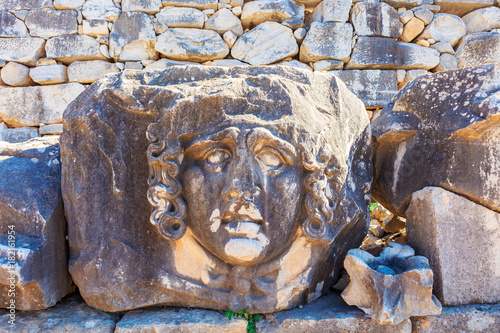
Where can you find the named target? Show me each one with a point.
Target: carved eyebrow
(230, 133)
(258, 138)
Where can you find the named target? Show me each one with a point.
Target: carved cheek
(288, 188)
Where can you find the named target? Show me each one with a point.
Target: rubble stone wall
(51, 50)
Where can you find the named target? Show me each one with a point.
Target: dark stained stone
(214, 187)
(32, 220)
(441, 130)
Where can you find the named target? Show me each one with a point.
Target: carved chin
(244, 249)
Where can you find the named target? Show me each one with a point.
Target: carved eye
(217, 158)
(270, 158)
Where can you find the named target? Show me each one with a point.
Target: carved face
(243, 189)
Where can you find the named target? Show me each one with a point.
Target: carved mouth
(242, 228)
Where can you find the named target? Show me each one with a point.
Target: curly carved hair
(321, 184)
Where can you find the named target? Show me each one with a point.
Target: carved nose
(239, 190)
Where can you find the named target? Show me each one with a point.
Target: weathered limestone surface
(31, 204)
(70, 315)
(462, 7)
(224, 20)
(68, 4)
(41, 104)
(376, 20)
(432, 134)
(257, 12)
(52, 129)
(47, 22)
(265, 44)
(181, 17)
(100, 10)
(332, 11)
(412, 29)
(22, 50)
(20, 134)
(132, 38)
(327, 314)
(180, 320)
(95, 28)
(10, 26)
(16, 75)
(51, 74)
(445, 28)
(90, 71)
(69, 48)
(374, 87)
(476, 318)
(186, 44)
(446, 62)
(408, 3)
(478, 49)
(198, 4)
(385, 53)
(461, 240)
(183, 262)
(24, 4)
(390, 288)
(327, 41)
(144, 6)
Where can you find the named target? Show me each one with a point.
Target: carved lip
(243, 228)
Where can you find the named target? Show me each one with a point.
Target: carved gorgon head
(250, 163)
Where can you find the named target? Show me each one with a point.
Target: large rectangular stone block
(33, 249)
(461, 239)
(462, 7)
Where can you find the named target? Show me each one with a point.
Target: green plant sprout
(372, 206)
(250, 318)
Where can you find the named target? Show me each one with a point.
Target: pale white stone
(100, 10)
(445, 28)
(21, 134)
(165, 63)
(237, 11)
(52, 129)
(327, 41)
(40, 104)
(69, 48)
(294, 64)
(10, 26)
(3, 126)
(46, 62)
(16, 75)
(51, 74)
(95, 28)
(208, 12)
(22, 50)
(133, 65)
(186, 44)
(479, 49)
(198, 4)
(257, 12)
(405, 16)
(224, 20)
(21, 14)
(300, 34)
(132, 38)
(90, 71)
(120, 65)
(181, 17)
(444, 47)
(410, 76)
(68, 4)
(104, 50)
(446, 62)
(144, 6)
(229, 38)
(332, 11)
(267, 43)
(327, 65)
(425, 15)
(400, 75)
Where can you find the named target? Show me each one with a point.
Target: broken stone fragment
(24, 4)
(326, 41)
(181, 17)
(33, 222)
(70, 48)
(90, 71)
(132, 38)
(376, 20)
(51, 74)
(478, 49)
(265, 44)
(430, 128)
(19, 134)
(48, 22)
(10, 26)
(68, 4)
(332, 11)
(257, 12)
(461, 240)
(390, 288)
(25, 51)
(195, 45)
(198, 4)
(41, 104)
(100, 10)
(16, 75)
(224, 20)
(145, 6)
